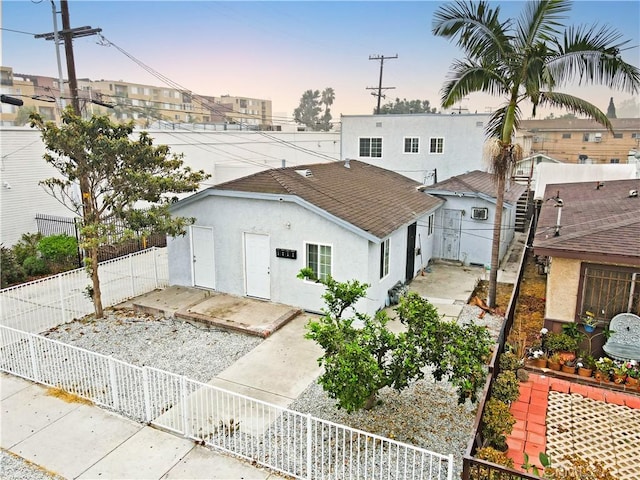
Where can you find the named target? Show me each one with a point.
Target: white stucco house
(350, 220)
(464, 224)
(425, 147)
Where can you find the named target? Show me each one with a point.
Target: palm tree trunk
(495, 244)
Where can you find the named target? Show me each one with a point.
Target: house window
(614, 160)
(411, 145)
(384, 258)
(617, 135)
(609, 290)
(371, 147)
(319, 260)
(436, 145)
(566, 135)
(585, 137)
(430, 224)
(635, 135)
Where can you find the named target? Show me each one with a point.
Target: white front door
(202, 257)
(256, 265)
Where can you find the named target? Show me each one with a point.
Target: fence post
(309, 445)
(185, 407)
(34, 360)
(113, 380)
(450, 469)
(133, 282)
(155, 265)
(61, 290)
(147, 397)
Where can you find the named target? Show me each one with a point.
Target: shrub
(497, 421)
(35, 265)
(509, 361)
(59, 250)
(12, 271)
(505, 387)
(561, 342)
(492, 455)
(27, 246)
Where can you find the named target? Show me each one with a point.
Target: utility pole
(382, 58)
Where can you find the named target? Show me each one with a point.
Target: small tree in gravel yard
(359, 362)
(115, 173)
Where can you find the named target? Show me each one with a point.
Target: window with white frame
(318, 259)
(371, 147)
(384, 258)
(436, 145)
(430, 224)
(411, 145)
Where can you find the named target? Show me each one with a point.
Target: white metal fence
(284, 440)
(42, 304)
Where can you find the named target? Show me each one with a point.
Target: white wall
(21, 198)
(463, 135)
(289, 226)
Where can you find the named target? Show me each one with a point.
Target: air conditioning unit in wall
(478, 213)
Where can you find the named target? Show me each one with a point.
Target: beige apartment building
(145, 104)
(580, 141)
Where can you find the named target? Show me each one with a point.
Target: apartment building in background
(575, 140)
(145, 104)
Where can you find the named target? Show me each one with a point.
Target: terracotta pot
(568, 369)
(619, 379)
(585, 372)
(539, 362)
(632, 382)
(567, 356)
(602, 376)
(553, 366)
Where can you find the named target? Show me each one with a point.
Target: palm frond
(591, 55)
(575, 105)
(497, 123)
(467, 77)
(476, 26)
(540, 21)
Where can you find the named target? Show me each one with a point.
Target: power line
(382, 58)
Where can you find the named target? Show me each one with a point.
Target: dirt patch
(67, 397)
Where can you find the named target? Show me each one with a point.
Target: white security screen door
(202, 257)
(256, 265)
(451, 224)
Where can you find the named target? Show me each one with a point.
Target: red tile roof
(371, 198)
(593, 222)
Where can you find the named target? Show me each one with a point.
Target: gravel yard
(426, 414)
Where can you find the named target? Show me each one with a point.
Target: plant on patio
(359, 361)
(497, 422)
(505, 387)
(586, 365)
(509, 361)
(492, 455)
(619, 371)
(561, 342)
(578, 469)
(589, 321)
(604, 368)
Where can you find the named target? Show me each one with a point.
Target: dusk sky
(276, 50)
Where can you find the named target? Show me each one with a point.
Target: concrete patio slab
(150, 453)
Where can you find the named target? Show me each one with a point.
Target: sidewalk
(76, 440)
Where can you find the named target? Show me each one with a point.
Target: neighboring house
(527, 167)
(425, 147)
(464, 224)
(350, 220)
(577, 140)
(224, 155)
(589, 243)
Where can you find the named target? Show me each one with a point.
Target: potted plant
(619, 372)
(569, 366)
(589, 321)
(538, 358)
(563, 344)
(633, 375)
(604, 366)
(586, 365)
(554, 362)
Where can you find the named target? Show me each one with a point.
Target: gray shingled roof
(594, 222)
(477, 182)
(371, 198)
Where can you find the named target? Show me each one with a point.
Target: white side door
(451, 224)
(256, 265)
(203, 265)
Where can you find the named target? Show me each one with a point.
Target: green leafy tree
(362, 356)
(526, 60)
(311, 113)
(116, 174)
(23, 114)
(407, 106)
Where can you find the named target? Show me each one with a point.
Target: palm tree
(526, 60)
(328, 96)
